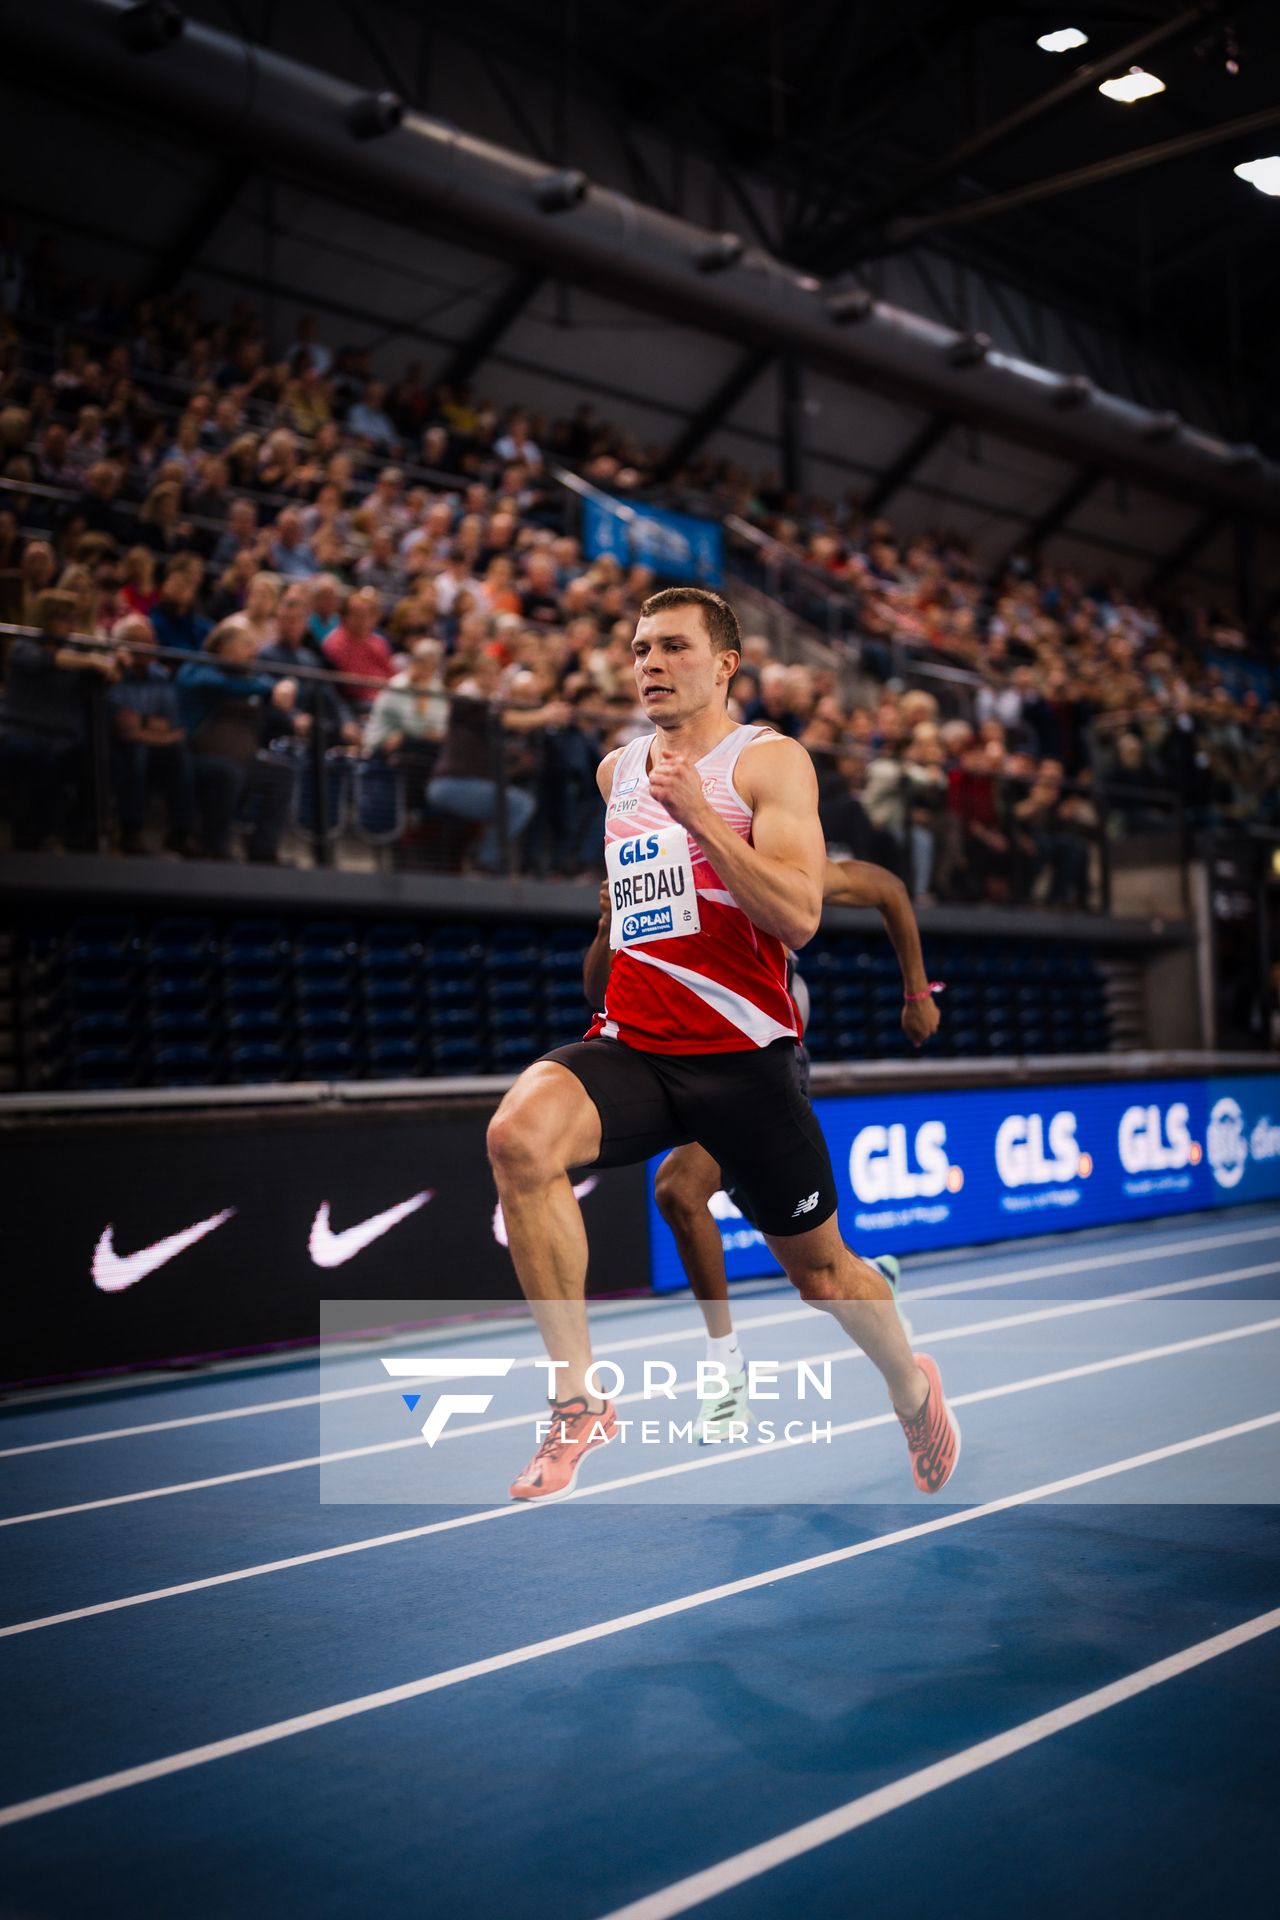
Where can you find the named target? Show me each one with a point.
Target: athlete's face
(677, 672)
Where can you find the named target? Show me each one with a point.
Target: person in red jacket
(354, 647)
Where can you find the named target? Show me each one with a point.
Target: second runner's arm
(860, 883)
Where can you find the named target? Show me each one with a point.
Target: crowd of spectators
(390, 565)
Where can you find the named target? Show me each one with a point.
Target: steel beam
(987, 139)
(503, 314)
(292, 121)
(214, 205)
(913, 455)
(708, 417)
(1057, 512)
(1093, 175)
(1192, 543)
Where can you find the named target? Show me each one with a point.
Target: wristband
(934, 986)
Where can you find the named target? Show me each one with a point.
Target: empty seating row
(138, 999)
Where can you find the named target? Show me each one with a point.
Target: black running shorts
(749, 1110)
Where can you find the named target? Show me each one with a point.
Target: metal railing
(320, 742)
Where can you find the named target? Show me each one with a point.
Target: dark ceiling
(854, 113)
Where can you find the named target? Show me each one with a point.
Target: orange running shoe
(933, 1435)
(575, 1431)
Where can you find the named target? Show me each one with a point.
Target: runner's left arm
(776, 878)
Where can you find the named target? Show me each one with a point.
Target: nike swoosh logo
(330, 1249)
(113, 1272)
(580, 1192)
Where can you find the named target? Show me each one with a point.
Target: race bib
(651, 888)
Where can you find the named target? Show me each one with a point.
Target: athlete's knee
(520, 1142)
(819, 1281)
(679, 1194)
(540, 1130)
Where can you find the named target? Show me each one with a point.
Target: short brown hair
(721, 620)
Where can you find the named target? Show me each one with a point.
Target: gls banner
(945, 1169)
(673, 544)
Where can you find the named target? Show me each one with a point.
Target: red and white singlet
(724, 988)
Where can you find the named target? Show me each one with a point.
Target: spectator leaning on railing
(148, 742)
(44, 725)
(228, 710)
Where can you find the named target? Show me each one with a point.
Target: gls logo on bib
(880, 1164)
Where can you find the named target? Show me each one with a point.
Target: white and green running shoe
(719, 1412)
(890, 1268)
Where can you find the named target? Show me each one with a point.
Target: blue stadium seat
(92, 1068)
(328, 1059)
(377, 802)
(389, 1021)
(254, 986)
(517, 1050)
(255, 1021)
(326, 942)
(103, 937)
(455, 948)
(455, 1055)
(394, 1059)
(187, 938)
(256, 943)
(257, 1063)
(184, 1064)
(388, 945)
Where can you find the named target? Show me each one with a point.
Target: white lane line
(699, 1463)
(942, 1289)
(1064, 1310)
(1095, 1304)
(255, 1737)
(685, 1894)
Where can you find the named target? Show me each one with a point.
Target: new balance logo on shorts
(805, 1206)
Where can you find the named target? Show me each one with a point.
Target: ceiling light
(1137, 84)
(1262, 174)
(1063, 40)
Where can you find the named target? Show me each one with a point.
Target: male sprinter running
(715, 859)
(688, 1178)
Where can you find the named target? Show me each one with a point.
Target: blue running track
(765, 1685)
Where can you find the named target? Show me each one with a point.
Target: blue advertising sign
(930, 1170)
(673, 544)
(1242, 1138)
